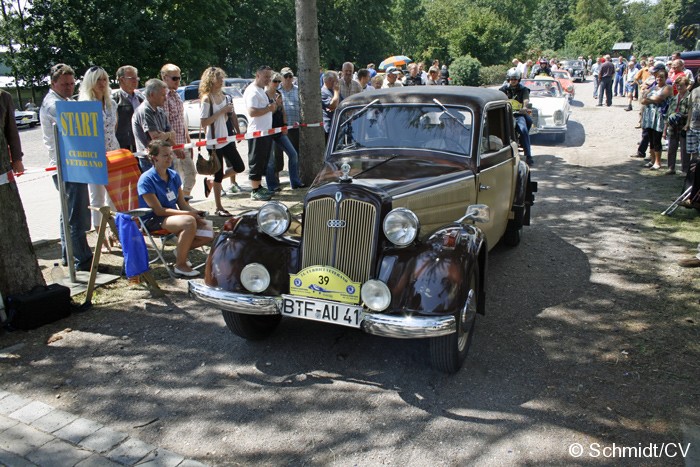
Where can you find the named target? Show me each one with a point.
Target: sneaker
(234, 189)
(670, 172)
(261, 194)
(628, 108)
(648, 165)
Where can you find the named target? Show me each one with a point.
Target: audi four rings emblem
(336, 223)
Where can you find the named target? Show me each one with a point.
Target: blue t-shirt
(166, 192)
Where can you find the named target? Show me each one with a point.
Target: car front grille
(341, 235)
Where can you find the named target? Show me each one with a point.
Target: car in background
(26, 118)
(566, 82)
(192, 108)
(576, 68)
(419, 184)
(238, 83)
(551, 107)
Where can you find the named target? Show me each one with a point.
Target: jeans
(619, 86)
(595, 86)
(271, 174)
(78, 200)
(606, 83)
(522, 126)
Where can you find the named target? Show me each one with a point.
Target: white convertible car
(551, 108)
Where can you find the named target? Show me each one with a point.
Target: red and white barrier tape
(7, 177)
(236, 138)
(227, 139)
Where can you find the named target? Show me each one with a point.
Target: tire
(251, 327)
(242, 124)
(512, 235)
(447, 353)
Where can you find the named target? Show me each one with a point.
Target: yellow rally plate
(324, 282)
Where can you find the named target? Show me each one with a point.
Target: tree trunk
(312, 141)
(19, 269)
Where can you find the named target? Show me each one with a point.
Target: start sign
(81, 142)
(326, 283)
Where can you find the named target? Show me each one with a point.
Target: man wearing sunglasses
(175, 109)
(128, 99)
(519, 96)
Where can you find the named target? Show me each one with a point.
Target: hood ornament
(345, 177)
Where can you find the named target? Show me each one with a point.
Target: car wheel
(447, 353)
(513, 234)
(251, 327)
(243, 124)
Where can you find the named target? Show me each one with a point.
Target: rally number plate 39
(321, 310)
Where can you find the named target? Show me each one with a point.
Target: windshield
(404, 126)
(543, 88)
(561, 74)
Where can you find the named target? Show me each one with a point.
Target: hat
(393, 70)
(658, 66)
(286, 71)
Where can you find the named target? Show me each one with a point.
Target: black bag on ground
(42, 305)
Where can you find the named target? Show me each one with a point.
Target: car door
(497, 168)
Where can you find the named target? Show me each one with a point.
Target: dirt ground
(590, 338)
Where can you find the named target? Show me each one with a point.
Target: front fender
(233, 249)
(431, 278)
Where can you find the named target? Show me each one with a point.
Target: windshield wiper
(359, 113)
(452, 116)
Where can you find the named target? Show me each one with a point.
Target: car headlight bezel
(255, 278)
(375, 295)
(558, 117)
(401, 227)
(274, 218)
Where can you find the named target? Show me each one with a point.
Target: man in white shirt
(260, 108)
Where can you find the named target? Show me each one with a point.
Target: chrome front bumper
(399, 327)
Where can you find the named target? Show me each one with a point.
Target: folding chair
(123, 177)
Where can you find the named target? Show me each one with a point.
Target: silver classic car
(418, 185)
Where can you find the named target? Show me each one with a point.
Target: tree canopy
(240, 35)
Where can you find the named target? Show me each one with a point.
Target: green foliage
(550, 24)
(594, 39)
(494, 74)
(464, 71)
(485, 34)
(589, 11)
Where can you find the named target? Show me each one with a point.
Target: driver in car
(519, 96)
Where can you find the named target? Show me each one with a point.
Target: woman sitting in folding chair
(160, 188)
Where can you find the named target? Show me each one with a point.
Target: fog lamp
(255, 277)
(375, 295)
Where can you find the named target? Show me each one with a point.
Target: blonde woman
(95, 87)
(215, 110)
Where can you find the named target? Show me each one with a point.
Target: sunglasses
(175, 78)
(289, 76)
(276, 81)
(95, 68)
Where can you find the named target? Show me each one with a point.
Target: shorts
(154, 224)
(692, 141)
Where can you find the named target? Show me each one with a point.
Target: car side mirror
(479, 213)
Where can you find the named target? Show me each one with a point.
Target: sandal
(223, 213)
(207, 190)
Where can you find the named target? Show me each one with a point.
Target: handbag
(212, 165)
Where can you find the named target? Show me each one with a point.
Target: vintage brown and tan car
(418, 185)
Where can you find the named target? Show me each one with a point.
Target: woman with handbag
(215, 111)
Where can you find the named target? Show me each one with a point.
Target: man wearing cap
(348, 86)
(391, 81)
(292, 108)
(605, 80)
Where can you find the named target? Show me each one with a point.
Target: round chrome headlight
(401, 226)
(255, 277)
(274, 218)
(375, 295)
(559, 117)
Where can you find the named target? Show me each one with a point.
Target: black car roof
(447, 95)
